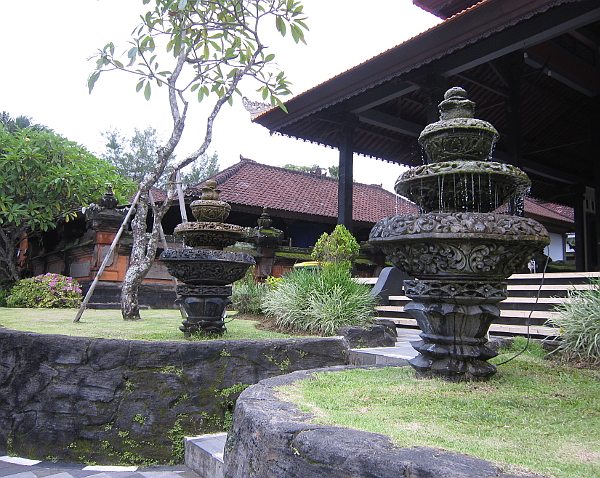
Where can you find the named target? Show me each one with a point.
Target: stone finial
(210, 191)
(456, 105)
(108, 201)
(210, 208)
(264, 221)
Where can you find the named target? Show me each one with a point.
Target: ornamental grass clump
(247, 294)
(46, 291)
(319, 301)
(578, 320)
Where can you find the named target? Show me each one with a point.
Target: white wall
(556, 249)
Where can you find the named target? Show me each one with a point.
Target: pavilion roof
(249, 183)
(536, 58)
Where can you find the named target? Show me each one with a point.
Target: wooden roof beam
(541, 170)
(378, 96)
(571, 77)
(384, 120)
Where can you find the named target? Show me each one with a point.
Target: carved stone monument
(205, 268)
(459, 249)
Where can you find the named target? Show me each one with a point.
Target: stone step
(204, 454)
(548, 287)
(553, 278)
(508, 300)
(535, 314)
(503, 329)
(397, 355)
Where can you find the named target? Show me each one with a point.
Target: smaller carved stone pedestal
(205, 268)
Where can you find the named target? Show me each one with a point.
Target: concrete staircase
(521, 306)
(204, 454)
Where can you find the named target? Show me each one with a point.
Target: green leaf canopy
(45, 177)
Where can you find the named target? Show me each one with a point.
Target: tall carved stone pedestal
(454, 322)
(460, 250)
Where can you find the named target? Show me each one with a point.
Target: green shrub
(247, 294)
(319, 302)
(273, 282)
(579, 323)
(561, 266)
(45, 291)
(4, 293)
(339, 247)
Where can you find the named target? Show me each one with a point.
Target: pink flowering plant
(46, 291)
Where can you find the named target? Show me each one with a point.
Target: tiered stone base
(204, 307)
(455, 324)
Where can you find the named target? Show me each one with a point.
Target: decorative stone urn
(205, 268)
(459, 249)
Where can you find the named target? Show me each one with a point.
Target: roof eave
(435, 43)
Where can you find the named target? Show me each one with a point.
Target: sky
(45, 48)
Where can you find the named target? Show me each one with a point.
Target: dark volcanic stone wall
(120, 401)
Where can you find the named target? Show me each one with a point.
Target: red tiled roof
(254, 184)
(250, 183)
(549, 210)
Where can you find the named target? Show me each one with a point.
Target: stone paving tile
(11, 467)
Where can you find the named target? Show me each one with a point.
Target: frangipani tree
(210, 46)
(44, 179)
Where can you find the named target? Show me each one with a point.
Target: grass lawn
(157, 324)
(534, 414)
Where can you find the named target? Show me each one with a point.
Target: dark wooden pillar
(595, 133)
(579, 207)
(514, 131)
(346, 179)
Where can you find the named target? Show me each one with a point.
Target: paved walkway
(398, 355)
(11, 467)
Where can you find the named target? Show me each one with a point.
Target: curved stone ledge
(273, 438)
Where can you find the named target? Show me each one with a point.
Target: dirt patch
(268, 324)
(264, 323)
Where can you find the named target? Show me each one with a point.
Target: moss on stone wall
(131, 402)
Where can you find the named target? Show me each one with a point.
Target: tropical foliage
(579, 323)
(339, 248)
(45, 178)
(135, 156)
(248, 295)
(319, 302)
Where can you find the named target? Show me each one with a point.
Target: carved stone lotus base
(209, 235)
(204, 307)
(454, 339)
